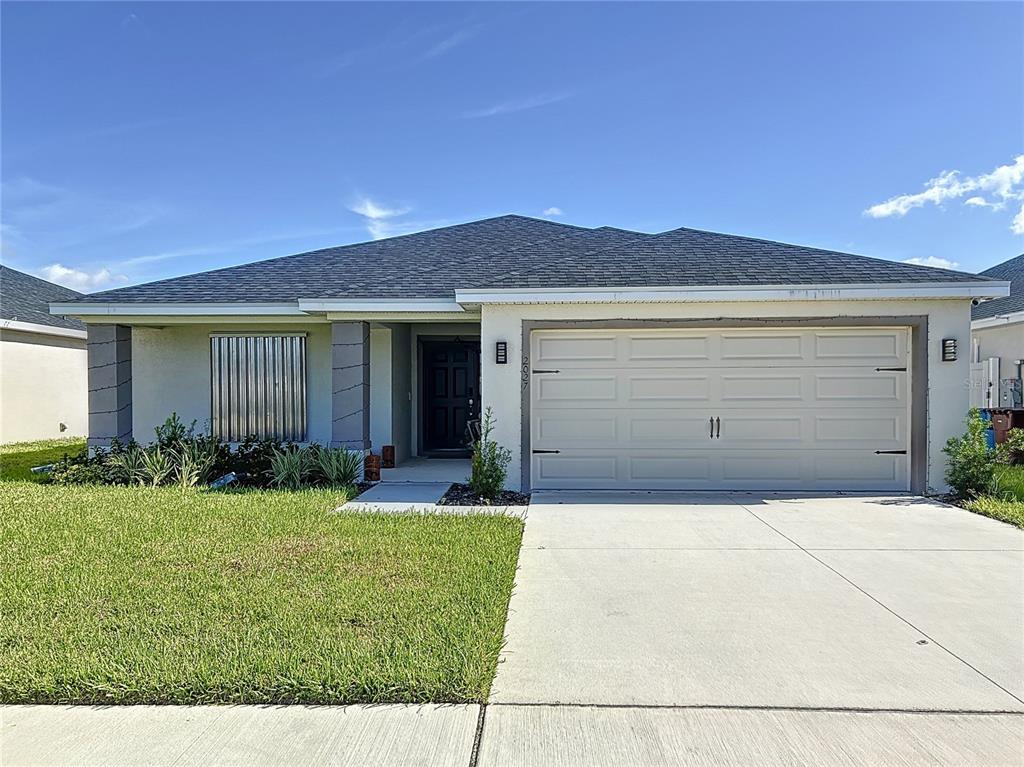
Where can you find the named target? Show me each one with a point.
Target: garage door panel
(761, 387)
(794, 410)
(569, 429)
(568, 349)
(666, 429)
(747, 347)
(667, 348)
(883, 431)
(668, 470)
(577, 471)
(666, 387)
(570, 388)
(859, 347)
(868, 389)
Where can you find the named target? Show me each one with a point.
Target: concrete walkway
(451, 736)
(389, 736)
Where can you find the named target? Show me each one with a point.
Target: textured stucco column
(350, 401)
(110, 384)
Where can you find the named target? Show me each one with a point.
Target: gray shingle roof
(518, 252)
(1012, 270)
(25, 298)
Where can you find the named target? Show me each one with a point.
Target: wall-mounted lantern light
(501, 352)
(949, 350)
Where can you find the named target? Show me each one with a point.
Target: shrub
(250, 460)
(290, 468)
(1012, 450)
(81, 470)
(157, 466)
(128, 466)
(490, 462)
(339, 467)
(193, 462)
(971, 466)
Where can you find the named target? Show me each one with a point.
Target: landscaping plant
(1012, 450)
(290, 468)
(490, 462)
(971, 465)
(339, 467)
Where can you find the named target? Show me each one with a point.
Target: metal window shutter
(258, 387)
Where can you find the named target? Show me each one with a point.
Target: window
(258, 386)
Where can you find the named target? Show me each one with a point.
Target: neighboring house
(997, 333)
(611, 359)
(43, 383)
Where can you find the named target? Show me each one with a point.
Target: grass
(140, 595)
(1011, 511)
(1007, 502)
(17, 459)
(1010, 480)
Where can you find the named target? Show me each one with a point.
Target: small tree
(971, 465)
(490, 462)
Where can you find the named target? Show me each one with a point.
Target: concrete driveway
(770, 603)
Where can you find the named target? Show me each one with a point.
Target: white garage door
(820, 409)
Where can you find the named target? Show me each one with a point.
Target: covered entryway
(743, 408)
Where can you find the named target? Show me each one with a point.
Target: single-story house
(997, 338)
(610, 358)
(43, 386)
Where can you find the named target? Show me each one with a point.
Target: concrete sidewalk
(389, 736)
(451, 736)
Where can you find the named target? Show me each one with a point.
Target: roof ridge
(495, 251)
(814, 248)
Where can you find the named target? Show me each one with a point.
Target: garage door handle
(890, 452)
(535, 452)
(718, 427)
(712, 422)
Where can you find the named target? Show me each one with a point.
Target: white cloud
(378, 218)
(1002, 185)
(981, 202)
(939, 263)
(78, 279)
(521, 105)
(1017, 225)
(552, 211)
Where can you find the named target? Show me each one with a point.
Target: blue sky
(148, 140)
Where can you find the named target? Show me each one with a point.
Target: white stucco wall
(43, 384)
(1005, 342)
(171, 373)
(948, 382)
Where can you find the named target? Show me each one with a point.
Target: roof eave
(733, 293)
(998, 320)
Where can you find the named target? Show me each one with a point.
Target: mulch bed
(461, 495)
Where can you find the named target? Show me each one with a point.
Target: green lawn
(1008, 505)
(1011, 481)
(17, 459)
(140, 595)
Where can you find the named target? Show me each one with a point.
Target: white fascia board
(382, 306)
(998, 321)
(91, 310)
(865, 292)
(46, 330)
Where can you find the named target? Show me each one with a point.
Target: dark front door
(451, 392)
